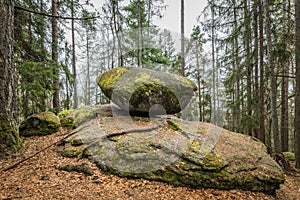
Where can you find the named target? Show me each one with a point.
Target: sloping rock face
(40, 124)
(138, 90)
(182, 153)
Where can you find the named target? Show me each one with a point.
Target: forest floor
(40, 178)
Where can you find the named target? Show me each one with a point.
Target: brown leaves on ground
(41, 178)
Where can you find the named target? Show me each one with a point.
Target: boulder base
(182, 153)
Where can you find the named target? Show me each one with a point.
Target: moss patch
(64, 113)
(289, 156)
(67, 122)
(172, 125)
(9, 137)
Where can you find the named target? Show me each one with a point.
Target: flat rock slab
(182, 153)
(139, 90)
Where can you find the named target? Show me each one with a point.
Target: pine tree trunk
(88, 84)
(55, 57)
(284, 87)
(249, 66)
(261, 135)
(213, 64)
(139, 47)
(256, 75)
(9, 137)
(297, 98)
(273, 82)
(75, 98)
(182, 57)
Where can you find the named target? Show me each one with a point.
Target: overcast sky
(171, 18)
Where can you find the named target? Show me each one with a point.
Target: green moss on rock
(64, 113)
(67, 122)
(289, 156)
(72, 152)
(40, 124)
(172, 125)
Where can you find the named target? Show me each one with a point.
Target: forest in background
(241, 54)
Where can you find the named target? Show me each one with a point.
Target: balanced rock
(40, 124)
(138, 90)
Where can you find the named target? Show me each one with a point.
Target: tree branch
(52, 16)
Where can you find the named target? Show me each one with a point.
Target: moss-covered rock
(40, 124)
(180, 153)
(138, 90)
(64, 113)
(289, 156)
(66, 120)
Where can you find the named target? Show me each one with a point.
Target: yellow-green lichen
(108, 79)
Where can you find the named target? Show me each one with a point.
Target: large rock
(138, 90)
(198, 155)
(40, 124)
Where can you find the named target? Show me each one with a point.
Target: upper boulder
(139, 90)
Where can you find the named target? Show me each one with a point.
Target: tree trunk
(198, 81)
(249, 66)
(256, 75)
(9, 137)
(273, 82)
(139, 47)
(213, 63)
(75, 98)
(88, 82)
(285, 86)
(55, 57)
(262, 128)
(182, 57)
(297, 98)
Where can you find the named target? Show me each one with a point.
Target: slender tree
(297, 99)
(212, 7)
(139, 38)
(75, 97)
(9, 137)
(273, 80)
(182, 57)
(55, 56)
(261, 134)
